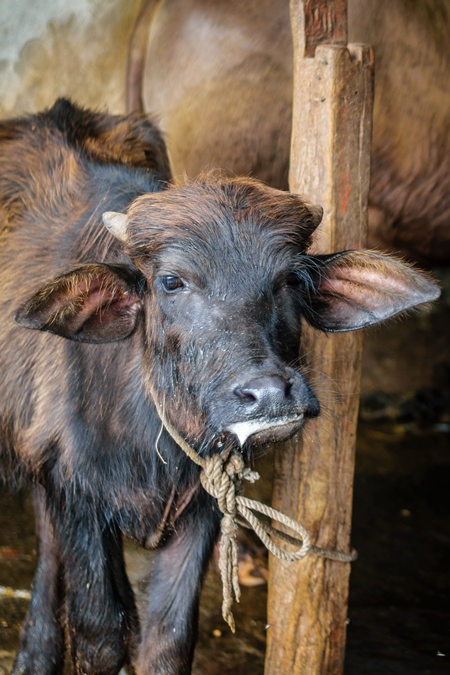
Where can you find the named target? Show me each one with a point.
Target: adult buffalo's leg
(101, 613)
(170, 632)
(41, 648)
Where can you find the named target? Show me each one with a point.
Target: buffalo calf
(188, 305)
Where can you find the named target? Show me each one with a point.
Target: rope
(222, 479)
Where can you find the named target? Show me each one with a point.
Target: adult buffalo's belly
(229, 104)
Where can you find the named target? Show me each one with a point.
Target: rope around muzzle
(223, 480)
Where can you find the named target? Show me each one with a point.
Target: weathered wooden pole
(330, 155)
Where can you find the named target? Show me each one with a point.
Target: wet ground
(399, 608)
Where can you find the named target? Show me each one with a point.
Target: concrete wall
(51, 48)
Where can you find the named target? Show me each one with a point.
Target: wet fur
(80, 417)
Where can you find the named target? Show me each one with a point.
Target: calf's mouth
(267, 430)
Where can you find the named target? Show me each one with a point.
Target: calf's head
(217, 281)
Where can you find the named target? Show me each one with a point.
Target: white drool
(244, 430)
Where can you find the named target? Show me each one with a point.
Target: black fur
(198, 313)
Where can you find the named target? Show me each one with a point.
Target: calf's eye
(171, 283)
(293, 279)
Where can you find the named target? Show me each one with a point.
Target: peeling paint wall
(51, 48)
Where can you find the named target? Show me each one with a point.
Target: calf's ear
(92, 303)
(355, 289)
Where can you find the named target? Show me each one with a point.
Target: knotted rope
(222, 478)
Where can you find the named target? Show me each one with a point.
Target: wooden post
(330, 155)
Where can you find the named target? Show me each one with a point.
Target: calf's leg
(170, 631)
(41, 648)
(101, 612)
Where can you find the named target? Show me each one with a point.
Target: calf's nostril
(264, 391)
(246, 395)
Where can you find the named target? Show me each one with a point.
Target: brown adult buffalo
(191, 312)
(218, 76)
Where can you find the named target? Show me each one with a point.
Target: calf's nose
(264, 393)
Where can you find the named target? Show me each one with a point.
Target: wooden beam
(330, 157)
(324, 22)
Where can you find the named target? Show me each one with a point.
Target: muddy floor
(399, 613)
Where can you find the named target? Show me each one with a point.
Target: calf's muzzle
(262, 393)
(271, 407)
